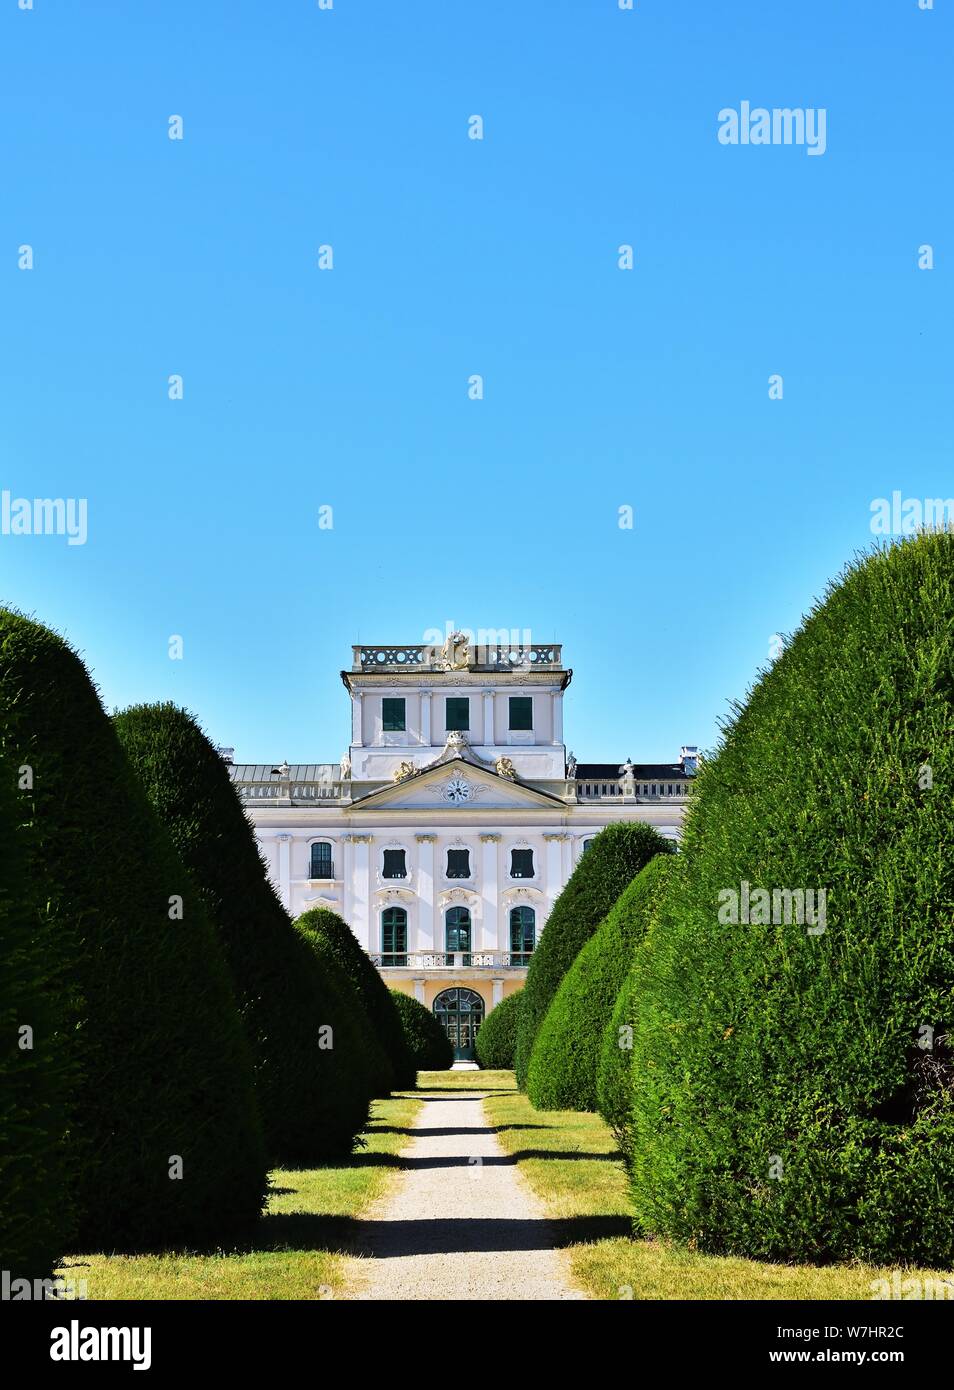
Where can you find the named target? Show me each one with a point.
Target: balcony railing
(643, 791)
(493, 656)
(452, 960)
(276, 791)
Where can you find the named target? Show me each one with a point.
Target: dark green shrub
(165, 1067)
(428, 1043)
(614, 1092)
(36, 1184)
(566, 1054)
(614, 1085)
(794, 1084)
(312, 1086)
(615, 857)
(496, 1040)
(362, 1036)
(346, 950)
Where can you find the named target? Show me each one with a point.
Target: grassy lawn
(295, 1256)
(569, 1160)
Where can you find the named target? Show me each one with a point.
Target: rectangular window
(521, 712)
(393, 719)
(521, 863)
(321, 860)
(458, 863)
(394, 865)
(522, 932)
(457, 713)
(394, 937)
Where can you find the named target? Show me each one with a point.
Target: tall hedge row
(616, 855)
(164, 1134)
(336, 937)
(566, 1055)
(367, 1047)
(496, 1041)
(426, 1039)
(36, 1182)
(311, 1082)
(794, 1082)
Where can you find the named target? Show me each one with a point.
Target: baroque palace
(454, 818)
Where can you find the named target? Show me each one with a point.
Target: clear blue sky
(348, 388)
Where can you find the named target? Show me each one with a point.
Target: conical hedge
(164, 1133)
(36, 1013)
(426, 1039)
(794, 1080)
(614, 1084)
(615, 857)
(336, 937)
(360, 1037)
(312, 1087)
(614, 1087)
(566, 1055)
(496, 1039)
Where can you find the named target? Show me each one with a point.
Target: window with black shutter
(394, 864)
(458, 863)
(521, 863)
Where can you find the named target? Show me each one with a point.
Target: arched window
(587, 844)
(457, 934)
(321, 864)
(461, 1012)
(394, 937)
(523, 931)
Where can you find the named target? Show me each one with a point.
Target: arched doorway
(461, 1012)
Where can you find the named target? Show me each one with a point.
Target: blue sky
(602, 388)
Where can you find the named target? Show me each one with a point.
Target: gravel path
(463, 1223)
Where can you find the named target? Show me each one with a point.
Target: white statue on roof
(571, 767)
(455, 652)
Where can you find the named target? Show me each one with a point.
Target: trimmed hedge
(794, 1088)
(346, 950)
(566, 1054)
(614, 1082)
(313, 1087)
(614, 1089)
(496, 1040)
(166, 1071)
(36, 1184)
(615, 857)
(361, 1039)
(428, 1043)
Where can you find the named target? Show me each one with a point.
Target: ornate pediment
(456, 785)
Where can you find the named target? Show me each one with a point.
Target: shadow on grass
(392, 1239)
(462, 1092)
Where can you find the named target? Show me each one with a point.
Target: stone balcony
(451, 960)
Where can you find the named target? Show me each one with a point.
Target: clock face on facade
(458, 791)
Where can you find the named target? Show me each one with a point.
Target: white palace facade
(453, 820)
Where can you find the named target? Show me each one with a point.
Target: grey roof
(642, 772)
(268, 772)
